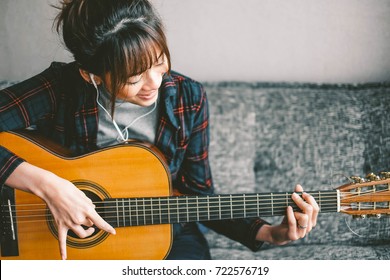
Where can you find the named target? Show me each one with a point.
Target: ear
(86, 76)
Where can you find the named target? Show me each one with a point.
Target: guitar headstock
(368, 196)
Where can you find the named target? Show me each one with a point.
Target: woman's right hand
(70, 207)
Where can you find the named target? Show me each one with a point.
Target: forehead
(141, 58)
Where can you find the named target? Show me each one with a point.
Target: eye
(134, 80)
(160, 62)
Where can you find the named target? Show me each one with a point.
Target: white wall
(336, 41)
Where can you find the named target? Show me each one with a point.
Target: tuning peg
(372, 177)
(378, 216)
(385, 175)
(357, 179)
(359, 217)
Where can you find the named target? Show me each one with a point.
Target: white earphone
(104, 109)
(123, 134)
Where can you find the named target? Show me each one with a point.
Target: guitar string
(283, 195)
(172, 200)
(210, 212)
(252, 205)
(257, 197)
(260, 195)
(164, 217)
(174, 206)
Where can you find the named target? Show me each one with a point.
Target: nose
(153, 79)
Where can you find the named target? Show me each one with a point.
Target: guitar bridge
(9, 236)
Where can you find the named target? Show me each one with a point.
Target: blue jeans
(188, 243)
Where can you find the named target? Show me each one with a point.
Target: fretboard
(123, 212)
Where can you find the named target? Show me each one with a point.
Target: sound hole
(97, 194)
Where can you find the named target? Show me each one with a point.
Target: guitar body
(128, 170)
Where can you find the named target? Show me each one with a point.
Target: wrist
(265, 234)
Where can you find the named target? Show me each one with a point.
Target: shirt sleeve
(196, 177)
(21, 106)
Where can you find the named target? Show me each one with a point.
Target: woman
(121, 86)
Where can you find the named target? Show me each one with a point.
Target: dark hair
(120, 37)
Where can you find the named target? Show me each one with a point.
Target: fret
(258, 205)
(272, 204)
(143, 210)
(159, 207)
(208, 208)
(169, 211)
(197, 208)
(124, 212)
(117, 213)
(319, 200)
(130, 218)
(151, 211)
(177, 209)
(251, 205)
(220, 210)
(203, 208)
(244, 205)
(131, 212)
(287, 198)
(192, 209)
(155, 211)
(148, 218)
(231, 207)
(174, 210)
(135, 211)
(213, 208)
(182, 209)
(225, 206)
(164, 209)
(188, 215)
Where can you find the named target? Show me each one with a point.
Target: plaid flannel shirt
(62, 106)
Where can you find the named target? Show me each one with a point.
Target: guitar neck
(123, 212)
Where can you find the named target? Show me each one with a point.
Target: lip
(148, 96)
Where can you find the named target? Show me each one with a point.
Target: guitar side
(129, 170)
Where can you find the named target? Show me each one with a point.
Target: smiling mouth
(148, 96)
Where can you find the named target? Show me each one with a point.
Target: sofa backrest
(269, 137)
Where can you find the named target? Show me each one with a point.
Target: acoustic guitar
(131, 188)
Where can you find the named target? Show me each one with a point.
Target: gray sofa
(268, 137)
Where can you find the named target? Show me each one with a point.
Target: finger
(292, 224)
(298, 188)
(307, 210)
(88, 223)
(305, 207)
(82, 232)
(100, 223)
(303, 224)
(62, 234)
(315, 208)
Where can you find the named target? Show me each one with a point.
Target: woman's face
(143, 89)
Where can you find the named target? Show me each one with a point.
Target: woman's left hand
(295, 225)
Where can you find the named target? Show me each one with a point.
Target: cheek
(129, 91)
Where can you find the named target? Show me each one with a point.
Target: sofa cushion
(269, 137)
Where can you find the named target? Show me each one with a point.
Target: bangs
(141, 56)
(134, 51)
